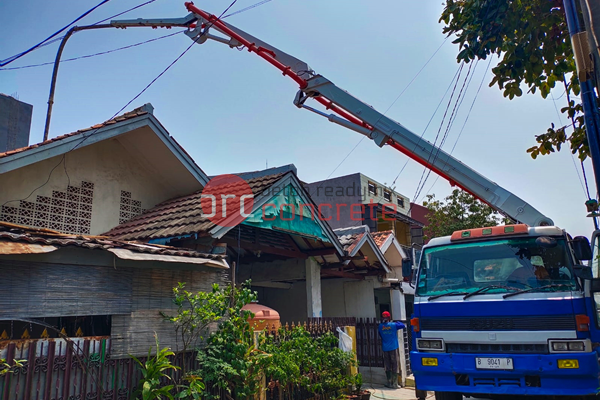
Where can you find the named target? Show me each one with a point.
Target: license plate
(493, 363)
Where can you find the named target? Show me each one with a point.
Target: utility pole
(588, 96)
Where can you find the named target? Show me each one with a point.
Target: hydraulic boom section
(354, 114)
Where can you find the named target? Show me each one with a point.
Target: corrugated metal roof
(34, 240)
(180, 216)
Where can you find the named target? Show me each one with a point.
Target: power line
(417, 192)
(17, 56)
(260, 3)
(420, 138)
(394, 102)
(95, 54)
(83, 139)
(125, 12)
(572, 156)
(464, 123)
(457, 104)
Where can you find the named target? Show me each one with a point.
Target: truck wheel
(448, 396)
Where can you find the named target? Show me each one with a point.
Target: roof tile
(19, 233)
(179, 216)
(128, 115)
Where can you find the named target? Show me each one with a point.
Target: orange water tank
(263, 317)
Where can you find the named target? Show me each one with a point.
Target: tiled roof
(179, 217)
(123, 117)
(22, 234)
(381, 237)
(349, 242)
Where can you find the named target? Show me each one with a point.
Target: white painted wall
(107, 164)
(348, 298)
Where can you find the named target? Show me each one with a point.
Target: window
(505, 265)
(372, 189)
(387, 195)
(400, 202)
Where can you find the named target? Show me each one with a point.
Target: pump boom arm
(354, 114)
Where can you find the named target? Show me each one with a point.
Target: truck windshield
(502, 265)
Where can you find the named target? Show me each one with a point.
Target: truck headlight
(566, 346)
(430, 344)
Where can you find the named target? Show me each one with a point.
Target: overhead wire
(86, 137)
(94, 54)
(585, 192)
(17, 56)
(466, 120)
(421, 137)
(114, 16)
(417, 192)
(391, 105)
(587, 187)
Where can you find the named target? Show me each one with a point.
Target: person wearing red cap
(388, 331)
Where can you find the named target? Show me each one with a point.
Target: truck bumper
(533, 374)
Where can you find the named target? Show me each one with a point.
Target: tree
(456, 212)
(532, 40)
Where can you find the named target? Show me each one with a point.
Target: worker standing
(388, 331)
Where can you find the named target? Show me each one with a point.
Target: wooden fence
(82, 368)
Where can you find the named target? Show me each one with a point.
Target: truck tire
(448, 396)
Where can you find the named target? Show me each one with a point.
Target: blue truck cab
(507, 310)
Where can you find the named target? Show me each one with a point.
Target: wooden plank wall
(33, 290)
(153, 292)
(133, 296)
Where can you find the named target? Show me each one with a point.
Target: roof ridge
(136, 112)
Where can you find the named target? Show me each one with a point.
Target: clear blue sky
(233, 112)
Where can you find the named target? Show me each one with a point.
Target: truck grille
(497, 348)
(520, 323)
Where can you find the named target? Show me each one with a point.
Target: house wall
(105, 185)
(15, 123)
(338, 191)
(348, 298)
(101, 285)
(289, 303)
(344, 191)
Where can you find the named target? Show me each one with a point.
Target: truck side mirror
(582, 248)
(584, 272)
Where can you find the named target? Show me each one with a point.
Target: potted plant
(362, 394)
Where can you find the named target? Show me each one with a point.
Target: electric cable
(465, 122)
(585, 193)
(17, 56)
(85, 137)
(394, 102)
(260, 3)
(450, 123)
(422, 134)
(117, 15)
(94, 54)
(587, 188)
(439, 129)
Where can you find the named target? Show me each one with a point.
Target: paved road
(383, 393)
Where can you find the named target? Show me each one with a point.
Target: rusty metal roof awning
(131, 255)
(9, 247)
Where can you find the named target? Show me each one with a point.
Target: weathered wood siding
(35, 290)
(152, 293)
(133, 296)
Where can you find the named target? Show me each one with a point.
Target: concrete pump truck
(506, 310)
